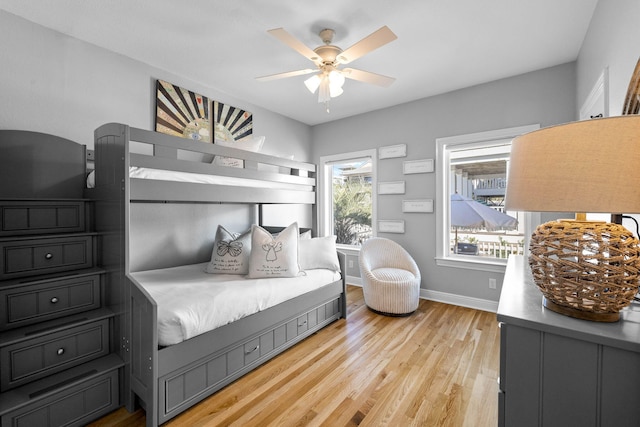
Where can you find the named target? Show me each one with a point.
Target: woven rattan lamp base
(585, 269)
(580, 314)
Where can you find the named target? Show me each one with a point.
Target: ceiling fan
(329, 79)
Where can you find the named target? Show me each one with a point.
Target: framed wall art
(417, 206)
(231, 123)
(392, 151)
(181, 112)
(391, 187)
(391, 226)
(417, 166)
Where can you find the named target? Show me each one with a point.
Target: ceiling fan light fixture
(330, 80)
(324, 95)
(336, 79)
(334, 92)
(312, 83)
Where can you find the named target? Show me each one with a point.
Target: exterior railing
(489, 248)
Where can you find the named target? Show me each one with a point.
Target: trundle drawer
(48, 299)
(41, 217)
(185, 386)
(310, 319)
(26, 257)
(29, 360)
(75, 406)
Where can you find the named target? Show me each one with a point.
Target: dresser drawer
(29, 360)
(41, 217)
(75, 406)
(26, 257)
(48, 299)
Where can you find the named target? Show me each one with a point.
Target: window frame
(444, 147)
(325, 195)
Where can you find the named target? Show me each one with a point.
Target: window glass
(479, 224)
(351, 200)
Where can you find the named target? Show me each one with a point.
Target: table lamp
(584, 269)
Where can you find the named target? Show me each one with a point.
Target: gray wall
(159, 241)
(56, 84)
(613, 42)
(546, 97)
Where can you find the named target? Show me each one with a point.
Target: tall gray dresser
(560, 371)
(57, 360)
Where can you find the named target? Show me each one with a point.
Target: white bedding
(167, 175)
(191, 302)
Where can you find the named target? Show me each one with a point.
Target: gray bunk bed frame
(166, 381)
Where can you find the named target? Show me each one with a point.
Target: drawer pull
(60, 351)
(254, 350)
(54, 300)
(302, 324)
(49, 256)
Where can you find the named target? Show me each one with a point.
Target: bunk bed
(129, 195)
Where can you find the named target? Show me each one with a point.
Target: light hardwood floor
(438, 367)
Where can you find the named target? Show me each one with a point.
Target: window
(347, 199)
(474, 229)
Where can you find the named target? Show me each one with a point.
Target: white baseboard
(447, 298)
(461, 300)
(352, 280)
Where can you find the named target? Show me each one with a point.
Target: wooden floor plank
(437, 367)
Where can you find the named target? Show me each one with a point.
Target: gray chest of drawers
(57, 365)
(557, 371)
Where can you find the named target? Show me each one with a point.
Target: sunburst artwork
(231, 123)
(181, 112)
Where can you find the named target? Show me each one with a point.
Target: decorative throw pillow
(274, 256)
(253, 144)
(318, 252)
(305, 235)
(230, 252)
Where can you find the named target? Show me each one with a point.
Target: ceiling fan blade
(368, 77)
(285, 75)
(295, 44)
(373, 41)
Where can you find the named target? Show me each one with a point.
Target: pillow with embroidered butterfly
(231, 252)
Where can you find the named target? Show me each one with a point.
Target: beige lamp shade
(584, 269)
(587, 166)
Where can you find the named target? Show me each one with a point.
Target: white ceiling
(442, 45)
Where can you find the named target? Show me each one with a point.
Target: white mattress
(191, 302)
(167, 175)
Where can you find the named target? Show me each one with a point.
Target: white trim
(348, 249)
(446, 298)
(353, 280)
(469, 262)
(599, 95)
(460, 300)
(506, 133)
(443, 146)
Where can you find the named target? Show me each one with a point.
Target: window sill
(473, 263)
(348, 249)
